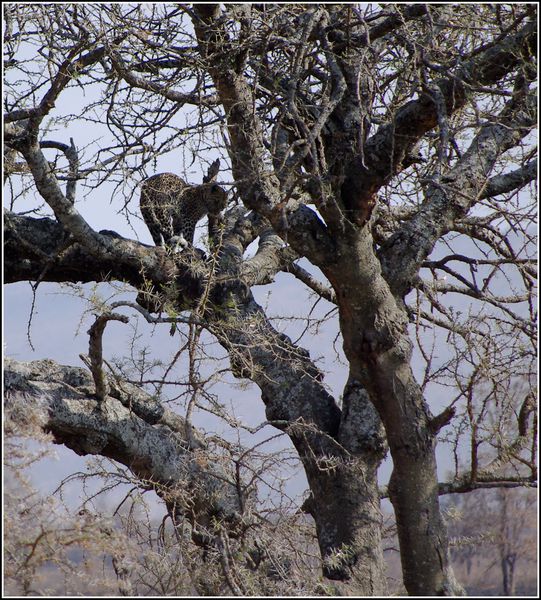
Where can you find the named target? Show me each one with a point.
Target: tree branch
(387, 149)
(131, 428)
(446, 201)
(259, 188)
(510, 182)
(95, 352)
(35, 249)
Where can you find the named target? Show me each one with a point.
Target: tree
(503, 523)
(391, 147)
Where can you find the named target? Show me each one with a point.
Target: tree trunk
(340, 450)
(508, 572)
(377, 346)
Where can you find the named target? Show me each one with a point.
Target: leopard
(171, 208)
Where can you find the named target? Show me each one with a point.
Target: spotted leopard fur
(172, 208)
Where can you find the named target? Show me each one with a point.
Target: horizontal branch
(463, 487)
(510, 182)
(39, 250)
(128, 426)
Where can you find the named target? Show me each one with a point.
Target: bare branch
(95, 351)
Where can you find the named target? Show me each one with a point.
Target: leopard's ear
(212, 172)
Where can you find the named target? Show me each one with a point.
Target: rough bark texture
(129, 426)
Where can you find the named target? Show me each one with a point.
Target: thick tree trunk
(345, 505)
(377, 346)
(422, 535)
(340, 450)
(413, 488)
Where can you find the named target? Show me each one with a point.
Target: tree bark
(128, 426)
(377, 346)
